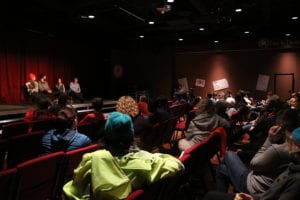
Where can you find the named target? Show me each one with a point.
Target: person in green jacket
(115, 171)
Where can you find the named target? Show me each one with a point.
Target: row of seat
(42, 177)
(195, 160)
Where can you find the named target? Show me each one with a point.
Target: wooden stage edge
(15, 111)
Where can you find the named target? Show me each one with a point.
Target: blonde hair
(127, 105)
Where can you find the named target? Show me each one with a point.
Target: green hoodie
(108, 177)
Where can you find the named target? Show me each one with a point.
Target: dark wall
(157, 69)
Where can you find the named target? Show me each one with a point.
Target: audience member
(43, 85)
(202, 124)
(96, 117)
(285, 186)
(143, 106)
(40, 111)
(112, 173)
(160, 111)
(32, 85)
(75, 90)
(127, 105)
(61, 103)
(272, 155)
(64, 137)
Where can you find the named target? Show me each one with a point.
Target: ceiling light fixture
(287, 34)
(151, 22)
(238, 10)
(246, 32)
(216, 41)
(180, 39)
(91, 16)
(141, 36)
(294, 18)
(170, 1)
(201, 29)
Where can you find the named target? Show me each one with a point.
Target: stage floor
(8, 111)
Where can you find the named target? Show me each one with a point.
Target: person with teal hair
(115, 171)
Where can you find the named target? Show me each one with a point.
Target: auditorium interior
(146, 48)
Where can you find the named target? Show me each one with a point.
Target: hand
(275, 133)
(245, 196)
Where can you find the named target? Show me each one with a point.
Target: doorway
(284, 85)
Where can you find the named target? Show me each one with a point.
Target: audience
(64, 137)
(40, 111)
(160, 110)
(96, 116)
(202, 124)
(115, 171)
(143, 106)
(272, 155)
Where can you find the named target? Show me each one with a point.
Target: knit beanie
(296, 135)
(118, 128)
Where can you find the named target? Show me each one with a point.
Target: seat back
(38, 177)
(70, 162)
(3, 151)
(93, 130)
(42, 125)
(8, 184)
(169, 129)
(15, 128)
(24, 147)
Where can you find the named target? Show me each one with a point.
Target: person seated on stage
(96, 117)
(40, 111)
(32, 85)
(43, 85)
(115, 171)
(59, 88)
(75, 90)
(64, 137)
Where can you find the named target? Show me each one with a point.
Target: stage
(11, 113)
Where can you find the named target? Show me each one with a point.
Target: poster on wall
(184, 84)
(262, 82)
(220, 84)
(200, 82)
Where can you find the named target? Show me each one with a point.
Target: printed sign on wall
(220, 84)
(200, 82)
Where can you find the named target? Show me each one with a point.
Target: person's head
(206, 106)
(118, 132)
(143, 98)
(97, 103)
(288, 119)
(63, 99)
(66, 119)
(32, 76)
(59, 80)
(43, 103)
(293, 140)
(75, 80)
(43, 77)
(127, 105)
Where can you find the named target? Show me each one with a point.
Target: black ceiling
(127, 19)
